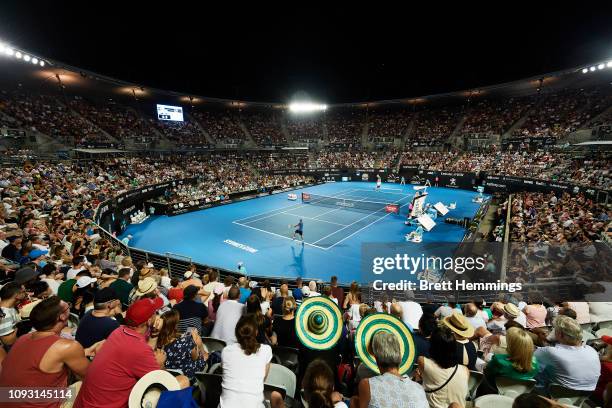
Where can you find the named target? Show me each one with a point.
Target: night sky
(341, 53)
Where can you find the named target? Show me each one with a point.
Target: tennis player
(299, 230)
(378, 182)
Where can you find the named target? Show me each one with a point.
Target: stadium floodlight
(592, 69)
(609, 64)
(42, 63)
(585, 70)
(306, 107)
(601, 66)
(26, 58)
(18, 55)
(9, 51)
(35, 61)
(2, 47)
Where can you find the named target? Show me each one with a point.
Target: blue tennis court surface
(258, 232)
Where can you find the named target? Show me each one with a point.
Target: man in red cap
(127, 355)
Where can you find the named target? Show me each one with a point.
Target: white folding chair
(282, 377)
(493, 401)
(513, 388)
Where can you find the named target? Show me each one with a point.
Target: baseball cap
(189, 275)
(105, 295)
(607, 339)
(37, 253)
(25, 274)
(85, 281)
(142, 310)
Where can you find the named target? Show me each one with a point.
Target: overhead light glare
(306, 107)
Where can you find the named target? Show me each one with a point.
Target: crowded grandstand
(100, 309)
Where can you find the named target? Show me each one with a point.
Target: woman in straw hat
(445, 380)
(467, 354)
(388, 389)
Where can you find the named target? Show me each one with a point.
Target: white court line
(278, 235)
(361, 219)
(361, 229)
(339, 208)
(276, 212)
(353, 223)
(309, 218)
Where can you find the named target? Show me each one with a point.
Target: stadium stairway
(521, 121)
(605, 114)
(249, 141)
(284, 131)
(208, 137)
(74, 112)
(410, 128)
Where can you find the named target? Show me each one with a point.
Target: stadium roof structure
(56, 77)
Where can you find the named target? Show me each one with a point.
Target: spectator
(264, 333)
(518, 364)
(278, 301)
(389, 388)
(353, 297)
(42, 358)
(39, 290)
(318, 386)
(445, 380)
(427, 324)
(535, 312)
(78, 264)
(463, 332)
(127, 355)
(228, 315)
(123, 287)
(175, 293)
(183, 351)
(245, 291)
(297, 292)
(337, 291)
(245, 363)
(512, 313)
(472, 315)
(411, 311)
(98, 324)
(606, 370)
(11, 295)
(569, 363)
(284, 327)
(191, 312)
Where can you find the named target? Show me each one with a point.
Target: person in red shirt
(42, 358)
(606, 370)
(175, 292)
(126, 356)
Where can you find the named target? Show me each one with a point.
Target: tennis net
(349, 204)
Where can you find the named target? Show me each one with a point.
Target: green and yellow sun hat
(372, 324)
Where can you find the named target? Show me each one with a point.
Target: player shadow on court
(298, 261)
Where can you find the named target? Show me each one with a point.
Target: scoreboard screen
(167, 112)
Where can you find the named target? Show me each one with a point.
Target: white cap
(189, 275)
(85, 281)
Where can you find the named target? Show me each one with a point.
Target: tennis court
(258, 231)
(330, 222)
